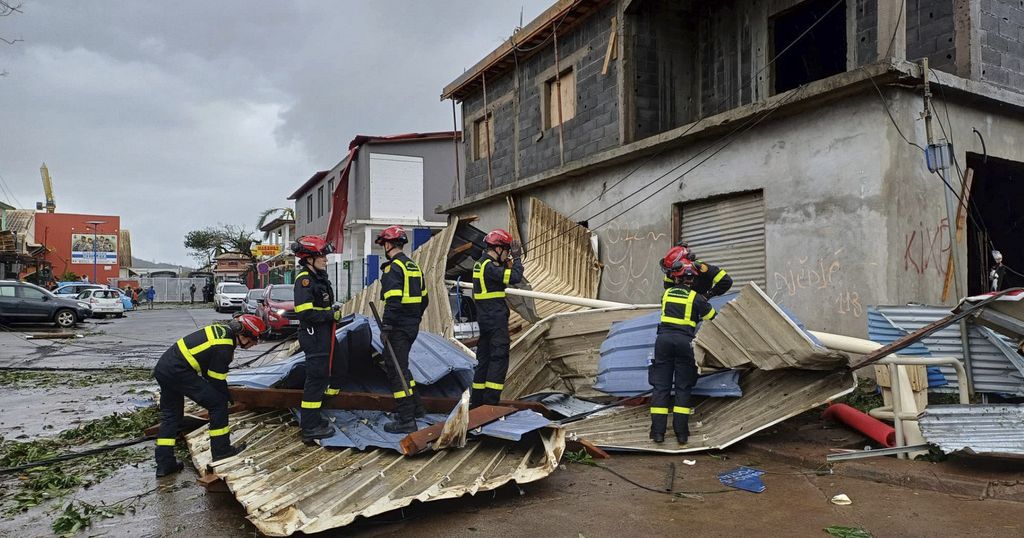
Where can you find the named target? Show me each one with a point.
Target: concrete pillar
(892, 30)
(966, 40)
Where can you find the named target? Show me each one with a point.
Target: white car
(104, 302)
(229, 296)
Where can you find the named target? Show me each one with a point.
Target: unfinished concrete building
(783, 139)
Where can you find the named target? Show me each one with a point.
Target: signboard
(262, 268)
(82, 247)
(266, 250)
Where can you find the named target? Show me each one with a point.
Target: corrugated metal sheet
(751, 330)
(559, 259)
(513, 427)
(728, 232)
(20, 221)
(286, 486)
(993, 366)
(980, 429)
(882, 330)
(432, 258)
(365, 429)
(769, 397)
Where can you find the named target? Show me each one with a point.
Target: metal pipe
(961, 372)
(567, 299)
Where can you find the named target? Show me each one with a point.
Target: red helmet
(250, 326)
(689, 251)
(308, 246)
(498, 238)
(687, 272)
(674, 259)
(392, 234)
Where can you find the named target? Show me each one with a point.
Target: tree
(238, 239)
(8, 8)
(204, 245)
(275, 212)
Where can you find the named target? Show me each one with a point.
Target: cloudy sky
(185, 114)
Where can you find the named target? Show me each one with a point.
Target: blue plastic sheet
(745, 478)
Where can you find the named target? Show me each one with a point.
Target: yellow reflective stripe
(392, 293)
(412, 382)
(659, 410)
(478, 275)
(506, 277)
(220, 431)
(183, 348)
(217, 375)
(311, 405)
(494, 386)
(718, 277)
(409, 272)
(669, 280)
(479, 386)
(401, 393)
(164, 441)
(682, 410)
(332, 392)
(710, 314)
(670, 298)
(211, 340)
(302, 274)
(309, 306)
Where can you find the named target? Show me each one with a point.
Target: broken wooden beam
(580, 443)
(361, 401)
(212, 482)
(418, 441)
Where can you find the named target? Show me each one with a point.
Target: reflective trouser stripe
(163, 441)
(495, 386)
(479, 386)
(412, 382)
(332, 392)
(682, 410)
(311, 405)
(401, 393)
(659, 410)
(220, 431)
(217, 375)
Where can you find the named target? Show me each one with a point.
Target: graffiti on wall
(818, 277)
(927, 247)
(630, 269)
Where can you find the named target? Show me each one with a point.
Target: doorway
(997, 208)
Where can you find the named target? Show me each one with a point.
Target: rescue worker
(498, 268)
(681, 308)
(318, 316)
(197, 366)
(711, 281)
(404, 292)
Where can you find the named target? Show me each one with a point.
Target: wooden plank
(608, 54)
(418, 441)
(212, 482)
(961, 225)
(595, 451)
(363, 401)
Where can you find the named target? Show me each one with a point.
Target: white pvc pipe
(567, 299)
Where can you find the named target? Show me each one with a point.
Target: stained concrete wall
(1002, 42)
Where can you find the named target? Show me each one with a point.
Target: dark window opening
(819, 54)
(330, 193)
(320, 201)
(997, 223)
(309, 209)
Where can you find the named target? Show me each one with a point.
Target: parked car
(103, 302)
(278, 309)
(71, 290)
(24, 302)
(252, 301)
(229, 296)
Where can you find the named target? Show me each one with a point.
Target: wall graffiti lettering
(927, 247)
(631, 255)
(820, 277)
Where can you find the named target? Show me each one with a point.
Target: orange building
(80, 244)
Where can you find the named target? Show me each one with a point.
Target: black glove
(516, 250)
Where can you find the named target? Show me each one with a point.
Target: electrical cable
(75, 455)
(657, 490)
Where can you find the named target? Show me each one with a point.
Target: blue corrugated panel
(882, 330)
(363, 429)
(514, 426)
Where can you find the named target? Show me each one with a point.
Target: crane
(51, 204)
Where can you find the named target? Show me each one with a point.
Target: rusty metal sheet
(432, 258)
(286, 486)
(752, 331)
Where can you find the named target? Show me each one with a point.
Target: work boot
(323, 431)
(231, 451)
(169, 469)
(658, 437)
(681, 425)
(401, 425)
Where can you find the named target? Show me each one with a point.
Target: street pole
(95, 237)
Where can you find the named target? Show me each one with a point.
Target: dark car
(24, 302)
(277, 308)
(252, 301)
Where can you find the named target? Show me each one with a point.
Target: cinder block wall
(1002, 43)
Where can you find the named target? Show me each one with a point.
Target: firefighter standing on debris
(197, 366)
(498, 268)
(318, 315)
(711, 281)
(404, 292)
(681, 308)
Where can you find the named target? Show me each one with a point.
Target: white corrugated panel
(729, 233)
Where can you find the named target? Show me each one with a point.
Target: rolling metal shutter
(728, 232)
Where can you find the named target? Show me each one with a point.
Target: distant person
(135, 296)
(150, 296)
(192, 292)
(85, 278)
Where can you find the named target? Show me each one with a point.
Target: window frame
(550, 101)
(483, 127)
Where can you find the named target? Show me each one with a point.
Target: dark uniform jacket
(313, 299)
(403, 290)
(681, 309)
(711, 280)
(207, 352)
(490, 278)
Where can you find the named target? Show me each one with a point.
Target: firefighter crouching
(711, 281)
(196, 366)
(404, 292)
(498, 268)
(318, 316)
(681, 309)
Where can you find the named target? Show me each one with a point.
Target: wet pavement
(577, 500)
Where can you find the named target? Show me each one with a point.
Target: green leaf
(847, 532)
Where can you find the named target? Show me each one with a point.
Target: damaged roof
(286, 486)
(974, 428)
